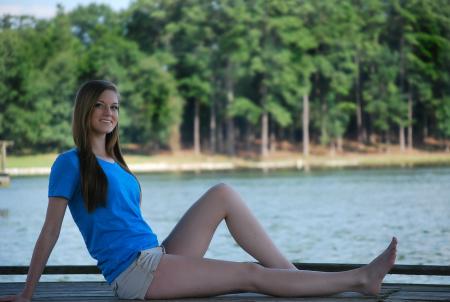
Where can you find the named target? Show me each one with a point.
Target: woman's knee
(251, 272)
(222, 192)
(221, 188)
(224, 197)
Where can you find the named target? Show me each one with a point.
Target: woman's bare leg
(193, 233)
(181, 277)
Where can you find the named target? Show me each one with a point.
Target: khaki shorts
(134, 282)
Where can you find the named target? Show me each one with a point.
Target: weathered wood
(101, 291)
(5, 180)
(3, 145)
(399, 269)
(436, 270)
(53, 270)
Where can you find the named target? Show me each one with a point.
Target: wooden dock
(101, 292)
(4, 177)
(94, 291)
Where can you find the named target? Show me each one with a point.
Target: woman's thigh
(193, 233)
(181, 277)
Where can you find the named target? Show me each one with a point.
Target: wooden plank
(399, 269)
(101, 292)
(420, 287)
(435, 270)
(419, 296)
(419, 292)
(53, 270)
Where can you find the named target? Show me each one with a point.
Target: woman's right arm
(44, 246)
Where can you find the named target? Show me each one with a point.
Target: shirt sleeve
(64, 176)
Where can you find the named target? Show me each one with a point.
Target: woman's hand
(16, 298)
(42, 249)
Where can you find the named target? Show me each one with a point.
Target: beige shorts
(134, 282)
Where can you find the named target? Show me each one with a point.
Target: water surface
(339, 216)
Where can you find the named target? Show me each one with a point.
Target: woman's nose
(107, 110)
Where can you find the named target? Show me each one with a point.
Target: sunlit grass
(177, 158)
(46, 160)
(28, 161)
(326, 160)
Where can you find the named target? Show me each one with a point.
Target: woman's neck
(98, 146)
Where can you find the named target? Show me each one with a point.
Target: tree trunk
(212, 128)
(231, 150)
(332, 148)
(272, 142)
(410, 122)
(247, 137)
(264, 133)
(220, 139)
(174, 140)
(264, 121)
(323, 127)
(401, 138)
(340, 144)
(425, 127)
(373, 138)
(305, 124)
(197, 128)
(362, 135)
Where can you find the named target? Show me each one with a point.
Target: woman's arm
(44, 246)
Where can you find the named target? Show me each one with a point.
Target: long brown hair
(94, 184)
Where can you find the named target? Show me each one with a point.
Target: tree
(334, 61)
(230, 59)
(153, 105)
(409, 21)
(382, 95)
(443, 116)
(369, 20)
(38, 85)
(153, 25)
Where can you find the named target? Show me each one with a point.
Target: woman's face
(105, 114)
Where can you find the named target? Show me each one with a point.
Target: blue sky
(47, 8)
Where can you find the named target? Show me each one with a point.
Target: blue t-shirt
(115, 234)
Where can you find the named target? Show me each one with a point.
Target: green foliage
(384, 100)
(280, 114)
(237, 58)
(443, 117)
(244, 107)
(153, 105)
(340, 118)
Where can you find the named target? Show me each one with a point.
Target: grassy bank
(46, 160)
(188, 161)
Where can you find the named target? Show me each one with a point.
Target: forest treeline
(234, 75)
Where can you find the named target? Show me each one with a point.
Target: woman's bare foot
(373, 273)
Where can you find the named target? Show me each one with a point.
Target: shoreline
(204, 163)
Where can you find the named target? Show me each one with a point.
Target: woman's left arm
(44, 246)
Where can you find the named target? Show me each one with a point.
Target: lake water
(340, 216)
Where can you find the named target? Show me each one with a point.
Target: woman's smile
(105, 113)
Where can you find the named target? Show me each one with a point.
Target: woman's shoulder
(68, 158)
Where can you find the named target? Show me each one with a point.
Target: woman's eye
(101, 106)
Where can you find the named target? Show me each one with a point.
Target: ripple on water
(344, 216)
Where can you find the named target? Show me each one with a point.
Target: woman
(104, 199)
